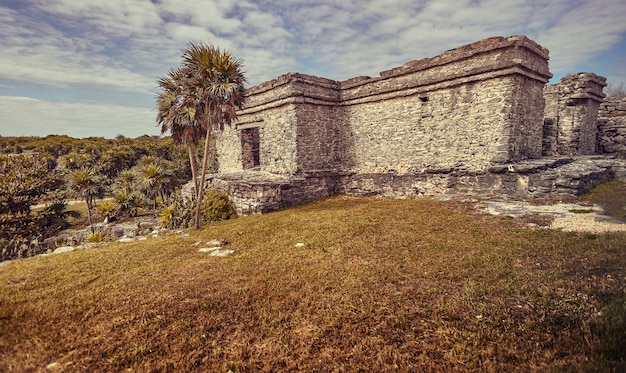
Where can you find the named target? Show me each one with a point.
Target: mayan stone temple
(475, 121)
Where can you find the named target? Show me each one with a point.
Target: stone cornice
(486, 59)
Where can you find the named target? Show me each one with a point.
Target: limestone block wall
(524, 111)
(442, 129)
(465, 109)
(570, 124)
(612, 126)
(324, 139)
(271, 108)
(550, 120)
(277, 142)
(323, 133)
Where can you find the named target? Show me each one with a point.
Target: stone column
(571, 123)
(612, 127)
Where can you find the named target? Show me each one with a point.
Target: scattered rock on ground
(214, 247)
(221, 252)
(208, 249)
(64, 249)
(570, 217)
(215, 242)
(54, 366)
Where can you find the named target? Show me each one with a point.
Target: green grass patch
(379, 285)
(611, 196)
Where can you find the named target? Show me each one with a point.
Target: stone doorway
(250, 148)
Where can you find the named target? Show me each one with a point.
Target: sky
(90, 67)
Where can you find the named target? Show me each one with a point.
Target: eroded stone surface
(612, 126)
(469, 122)
(573, 217)
(571, 115)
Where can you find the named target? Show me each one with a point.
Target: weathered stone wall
(459, 109)
(550, 120)
(467, 122)
(525, 117)
(301, 127)
(533, 178)
(261, 192)
(466, 108)
(571, 118)
(277, 141)
(467, 127)
(612, 126)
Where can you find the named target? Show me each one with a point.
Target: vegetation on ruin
(379, 285)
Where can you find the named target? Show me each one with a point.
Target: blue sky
(89, 67)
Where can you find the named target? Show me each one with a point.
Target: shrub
(107, 208)
(217, 206)
(167, 216)
(95, 237)
(19, 247)
(178, 214)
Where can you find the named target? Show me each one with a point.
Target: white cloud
(120, 47)
(114, 17)
(40, 54)
(24, 116)
(583, 32)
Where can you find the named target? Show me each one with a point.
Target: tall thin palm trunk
(192, 164)
(200, 191)
(89, 202)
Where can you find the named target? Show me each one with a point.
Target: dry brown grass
(380, 285)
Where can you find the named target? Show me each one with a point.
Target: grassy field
(380, 285)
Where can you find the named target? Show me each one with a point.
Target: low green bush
(217, 206)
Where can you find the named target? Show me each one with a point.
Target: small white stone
(53, 366)
(208, 249)
(214, 243)
(222, 253)
(126, 239)
(142, 238)
(300, 244)
(63, 249)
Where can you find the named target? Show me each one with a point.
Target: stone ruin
(474, 121)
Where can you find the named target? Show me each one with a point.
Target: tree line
(135, 175)
(197, 98)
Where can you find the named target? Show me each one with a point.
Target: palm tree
(86, 183)
(154, 179)
(204, 93)
(176, 114)
(218, 79)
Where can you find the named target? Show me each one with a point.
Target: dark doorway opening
(250, 148)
